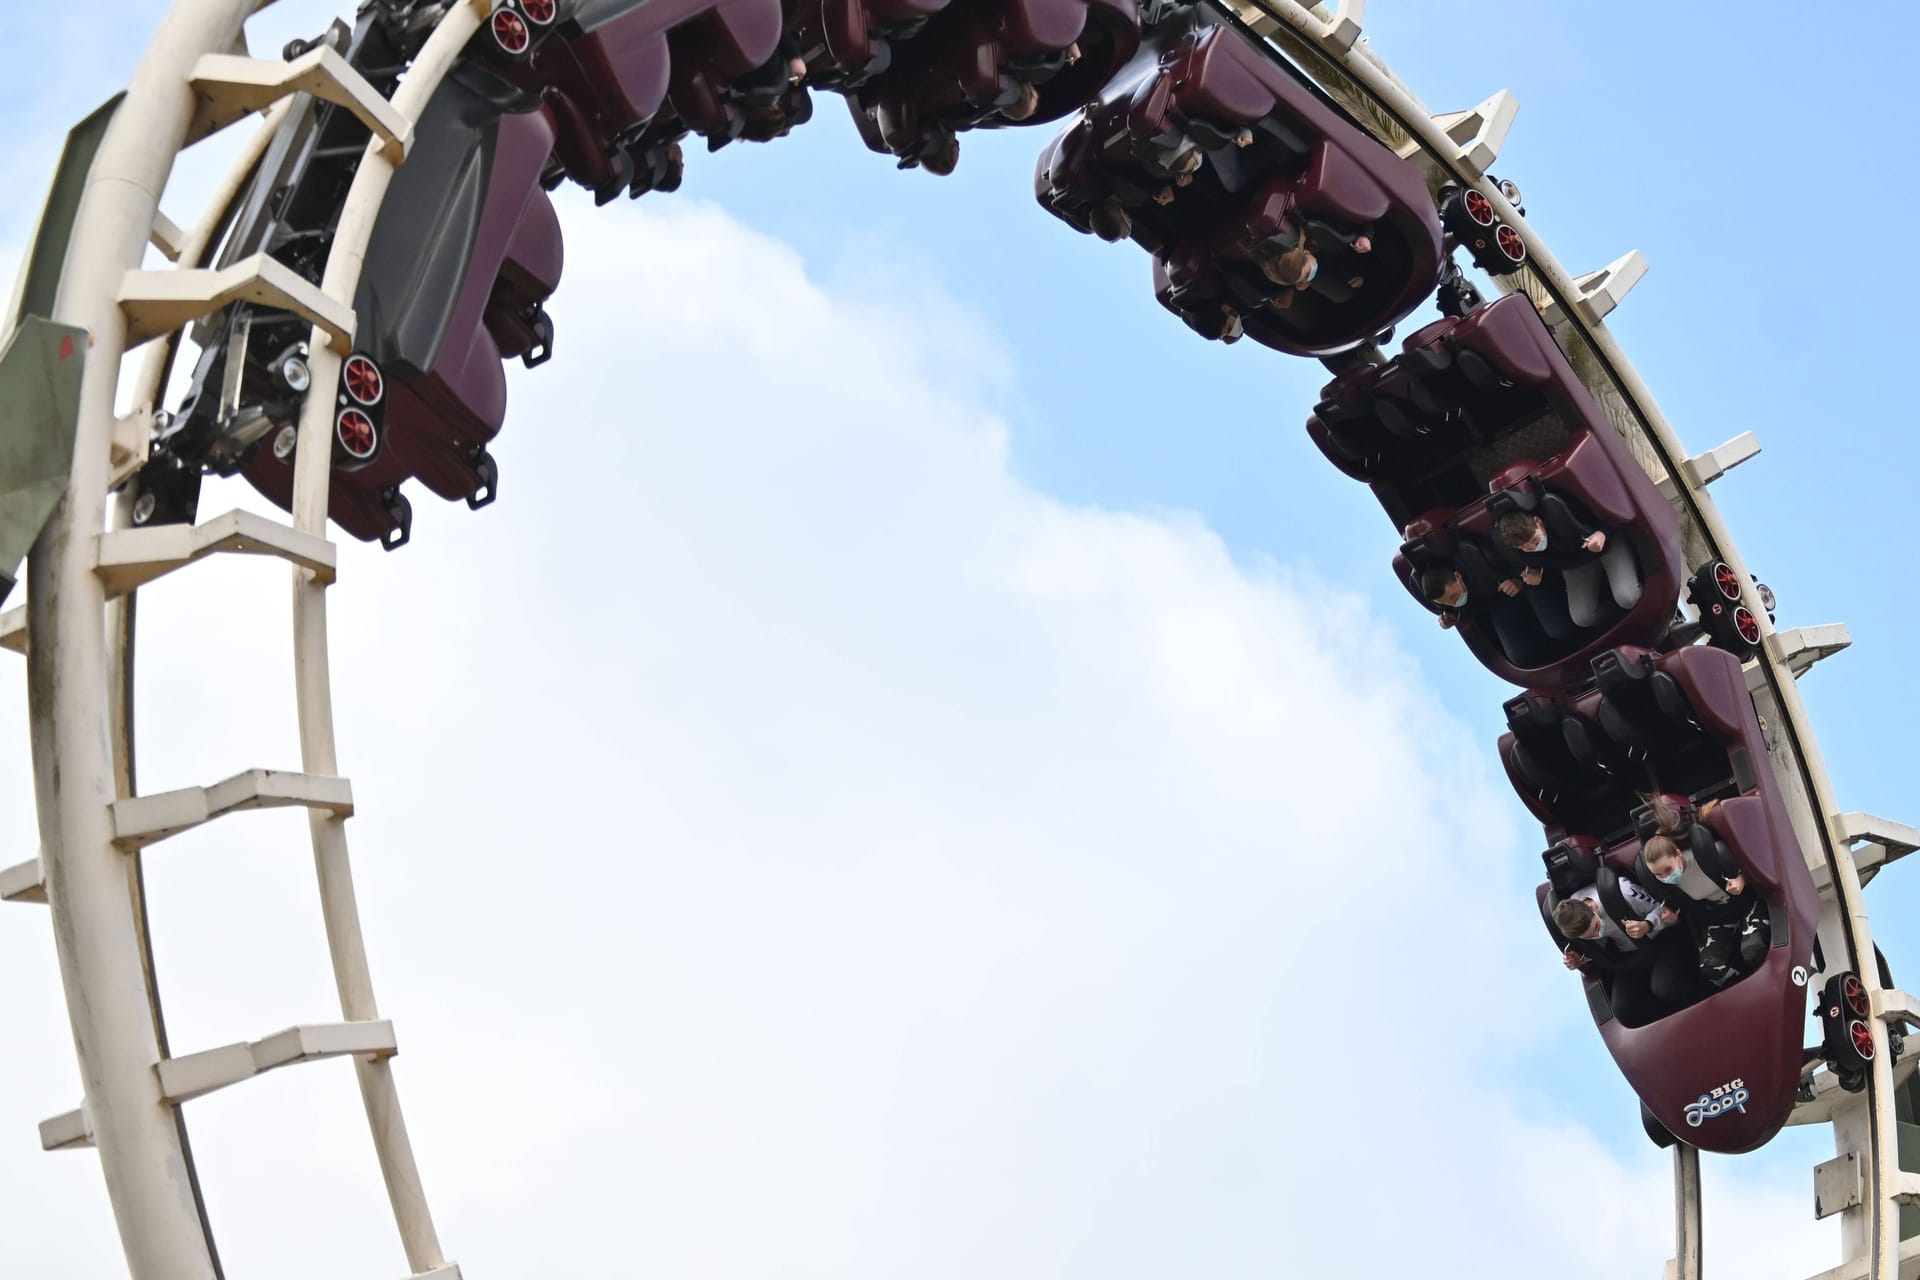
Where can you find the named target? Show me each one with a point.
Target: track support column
(1687, 1251)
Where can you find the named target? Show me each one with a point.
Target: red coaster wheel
(1478, 207)
(356, 433)
(1511, 244)
(363, 382)
(540, 13)
(1746, 624)
(1861, 1036)
(1854, 992)
(510, 33)
(1727, 580)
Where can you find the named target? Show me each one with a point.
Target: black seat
(1435, 545)
(1571, 865)
(1555, 749)
(1642, 707)
(1450, 377)
(1523, 497)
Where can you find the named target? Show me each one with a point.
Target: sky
(925, 770)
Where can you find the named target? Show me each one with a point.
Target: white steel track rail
(1327, 45)
(312, 678)
(192, 248)
(80, 626)
(87, 886)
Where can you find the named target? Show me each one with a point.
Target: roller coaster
(385, 242)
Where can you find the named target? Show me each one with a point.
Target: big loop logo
(1731, 1096)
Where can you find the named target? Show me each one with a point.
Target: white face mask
(1312, 271)
(1460, 601)
(1539, 542)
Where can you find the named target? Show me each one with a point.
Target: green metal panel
(39, 411)
(48, 257)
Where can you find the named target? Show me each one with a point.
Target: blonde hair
(1026, 101)
(1285, 266)
(1666, 818)
(1661, 849)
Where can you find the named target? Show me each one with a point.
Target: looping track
(84, 572)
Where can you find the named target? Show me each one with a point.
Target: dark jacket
(1482, 570)
(1333, 248)
(1567, 529)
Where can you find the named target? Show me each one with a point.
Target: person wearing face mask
(1298, 268)
(1558, 538)
(1172, 165)
(1648, 976)
(1458, 593)
(1694, 875)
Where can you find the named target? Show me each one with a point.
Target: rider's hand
(1533, 575)
(1570, 958)
(1595, 542)
(1362, 245)
(1636, 929)
(1511, 587)
(1669, 915)
(1446, 621)
(1737, 885)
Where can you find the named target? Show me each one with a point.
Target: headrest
(1571, 865)
(1622, 666)
(1523, 497)
(1432, 520)
(1530, 712)
(1428, 539)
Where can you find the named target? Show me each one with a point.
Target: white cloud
(790, 846)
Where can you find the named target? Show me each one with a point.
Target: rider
(1447, 589)
(1649, 976)
(1297, 267)
(1690, 871)
(1559, 538)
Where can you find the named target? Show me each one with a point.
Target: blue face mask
(1312, 271)
(1678, 872)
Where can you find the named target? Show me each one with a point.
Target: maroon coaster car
(847, 42)
(992, 64)
(604, 78)
(466, 251)
(1277, 158)
(1722, 1072)
(1344, 180)
(626, 80)
(1481, 414)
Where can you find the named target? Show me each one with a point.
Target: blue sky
(1742, 179)
(1623, 141)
